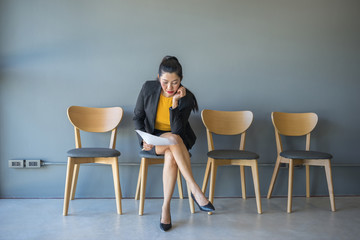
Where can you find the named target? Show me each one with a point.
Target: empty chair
(229, 123)
(96, 120)
(146, 160)
(299, 124)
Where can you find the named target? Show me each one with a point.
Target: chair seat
(232, 154)
(145, 154)
(93, 152)
(301, 154)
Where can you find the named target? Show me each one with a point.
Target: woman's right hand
(147, 147)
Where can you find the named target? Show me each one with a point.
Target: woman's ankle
(165, 207)
(165, 214)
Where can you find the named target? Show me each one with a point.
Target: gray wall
(263, 56)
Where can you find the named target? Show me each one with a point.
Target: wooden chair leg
(69, 176)
(191, 201)
(243, 185)
(144, 170)
(290, 187)
(274, 176)
(117, 187)
(330, 185)
(206, 176)
(74, 180)
(137, 193)
(307, 170)
(212, 182)
(255, 174)
(179, 183)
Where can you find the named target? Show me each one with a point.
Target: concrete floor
(234, 219)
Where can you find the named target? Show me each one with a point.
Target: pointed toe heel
(206, 208)
(165, 227)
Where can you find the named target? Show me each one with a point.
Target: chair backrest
(226, 123)
(293, 124)
(95, 120)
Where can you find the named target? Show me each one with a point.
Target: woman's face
(170, 83)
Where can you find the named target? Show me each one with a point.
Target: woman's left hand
(180, 93)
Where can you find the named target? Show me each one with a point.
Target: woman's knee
(175, 138)
(169, 159)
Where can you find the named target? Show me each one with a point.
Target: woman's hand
(147, 147)
(180, 93)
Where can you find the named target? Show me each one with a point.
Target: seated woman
(163, 109)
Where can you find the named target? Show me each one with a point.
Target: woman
(163, 109)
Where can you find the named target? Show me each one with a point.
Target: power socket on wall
(25, 163)
(32, 163)
(16, 163)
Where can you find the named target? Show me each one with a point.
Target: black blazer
(146, 107)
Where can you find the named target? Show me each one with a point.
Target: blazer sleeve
(179, 116)
(139, 114)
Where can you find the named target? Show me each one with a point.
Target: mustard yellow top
(162, 121)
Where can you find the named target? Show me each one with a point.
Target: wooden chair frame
(229, 123)
(141, 184)
(298, 124)
(92, 120)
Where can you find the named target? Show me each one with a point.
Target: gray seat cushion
(145, 154)
(93, 152)
(232, 154)
(301, 154)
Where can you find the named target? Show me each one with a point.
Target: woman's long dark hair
(171, 64)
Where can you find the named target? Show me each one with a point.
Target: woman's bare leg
(169, 180)
(182, 158)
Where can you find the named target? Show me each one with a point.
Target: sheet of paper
(154, 140)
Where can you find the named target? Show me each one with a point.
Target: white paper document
(154, 140)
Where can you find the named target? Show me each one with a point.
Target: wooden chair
(229, 123)
(299, 124)
(92, 120)
(149, 159)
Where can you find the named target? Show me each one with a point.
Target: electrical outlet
(16, 164)
(32, 163)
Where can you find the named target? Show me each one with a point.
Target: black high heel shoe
(206, 208)
(165, 227)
